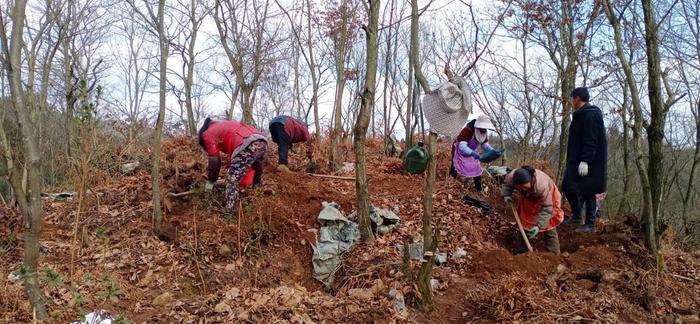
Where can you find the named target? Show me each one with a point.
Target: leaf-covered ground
(204, 269)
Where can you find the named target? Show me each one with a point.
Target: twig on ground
(681, 277)
(189, 192)
(331, 176)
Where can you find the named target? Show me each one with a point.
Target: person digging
(539, 208)
(245, 147)
(286, 131)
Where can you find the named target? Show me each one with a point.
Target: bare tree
(134, 77)
(185, 44)
(429, 243)
(655, 129)
(249, 38)
(363, 120)
(563, 28)
(154, 18)
(651, 175)
(341, 23)
(305, 44)
(691, 63)
(29, 199)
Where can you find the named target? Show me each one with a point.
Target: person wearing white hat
(465, 158)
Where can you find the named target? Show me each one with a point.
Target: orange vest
(528, 210)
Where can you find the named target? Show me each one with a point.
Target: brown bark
(29, 200)
(429, 244)
(691, 177)
(190, 61)
(362, 123)
(309, 58)
(409, 104)
(156, 20)
(155, 158)
(341, 48)
(655, 129)
(647, 216)
(231, 29)
(312, 68)
(624, 202)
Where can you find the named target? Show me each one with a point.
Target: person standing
(465, 158)
(244, 146)
(539, 207)
(285, 132)
(586, 163)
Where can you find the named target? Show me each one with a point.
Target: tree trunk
(232, 104)
(691, 177)
(335, 159)
(429, 244)
(155, 158)
(568, 79)
(387, 67)
(191, 125)
(362, 123)
(247, 104)
(528, 101)
(566, 89)
(648, 222)
(624, 202)
(655, 129)
(70, 98)
(409, 103)
(312, 69)
(29, 200)
(341, 48)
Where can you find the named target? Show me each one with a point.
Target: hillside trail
(202, 267)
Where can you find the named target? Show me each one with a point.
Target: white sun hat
(484, 122)
(447, 108)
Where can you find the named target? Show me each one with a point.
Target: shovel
(520, 226)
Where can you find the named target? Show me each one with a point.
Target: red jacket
(297, 131)
(226, 136)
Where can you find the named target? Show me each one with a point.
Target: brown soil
(259, 267)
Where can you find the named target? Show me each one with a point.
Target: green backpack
(416, 159)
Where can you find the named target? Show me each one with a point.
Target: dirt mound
(182, 163)
(258, 268)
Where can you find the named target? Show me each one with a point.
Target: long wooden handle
(520, 226)
(331, 176)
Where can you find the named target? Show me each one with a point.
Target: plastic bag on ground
(337, 235)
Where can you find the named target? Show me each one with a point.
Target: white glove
(583, 169)
(209, 186)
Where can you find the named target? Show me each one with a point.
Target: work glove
(209, 186)
(475, 155)
(295, 149)
(531, 233)
(508, 199)
(583, 169)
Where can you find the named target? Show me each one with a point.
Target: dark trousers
(577, 201)
(477, 184)
(551, 242)
(283, 141)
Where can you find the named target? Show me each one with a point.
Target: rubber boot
(551, 241)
